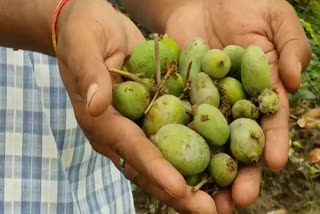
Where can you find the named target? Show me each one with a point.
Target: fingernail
(91, 91)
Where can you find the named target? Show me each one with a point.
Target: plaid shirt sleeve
(46, 163)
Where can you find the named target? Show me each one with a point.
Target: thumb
(291, 44)
(98, 98)
(98, 85)
(84, 74)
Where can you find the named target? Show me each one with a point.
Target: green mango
(216, 63)
(184, 148)
(233, 89)
(245, 109)
(193, 180)
(211, 124)
(192, 52)
(268, 102)
(223, 169)
(142, 59)
(234, 52)
(174, 85)
(131, 99)
(172, 45)
(255, 71)
(203, 90)
(247, 140)
(167, 109)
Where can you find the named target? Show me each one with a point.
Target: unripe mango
(211, 124)
(245, 109)
(174, 85)
(234, 52)
(193, 180)
(184, 148)
(167, 109)
(223, 169)
(268, 102)
(187, 106)
(142, 59)
(192, 52)
(216, 63)
(255, 71)
(203, 90)
(131, 99)
(247, 140)
(233, 89)
(172, 45)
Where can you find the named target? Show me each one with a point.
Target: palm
(244, 23)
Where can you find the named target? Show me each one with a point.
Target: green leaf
(302, 94)
(307, 26)
(315, 7)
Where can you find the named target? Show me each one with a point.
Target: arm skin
(27, 24)
(153, 14)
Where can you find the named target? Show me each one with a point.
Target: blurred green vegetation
(309, 14)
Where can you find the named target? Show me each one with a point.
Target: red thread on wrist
(54, 21)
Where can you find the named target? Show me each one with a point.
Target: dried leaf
(278, 212)
(314, 156)
(310, 120)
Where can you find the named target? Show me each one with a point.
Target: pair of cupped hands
(93, 36)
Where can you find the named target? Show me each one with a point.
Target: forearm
(26, 24)
(153, 14)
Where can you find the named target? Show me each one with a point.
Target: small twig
(203, 181)
(133, 77)
(187, 83)
(294, 117)
(156, 44)
(163, 82)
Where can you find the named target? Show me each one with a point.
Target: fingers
(224, 202)
(291, 43)
(275, 127)
(246, 186)
(84, 72)
(126, 139)
(198, 202)
(276, 131)
(134, 34)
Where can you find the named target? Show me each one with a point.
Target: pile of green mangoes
(199, 106)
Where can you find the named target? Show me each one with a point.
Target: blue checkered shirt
(46, 163)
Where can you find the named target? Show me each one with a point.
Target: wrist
(27, 25)
(152, 14)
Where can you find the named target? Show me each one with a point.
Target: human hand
(92, 36)
(274, 26)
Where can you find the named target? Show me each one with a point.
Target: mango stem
(203, 181)
(156, 44)
(133, 77)
(187, 83)
(161, 86)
